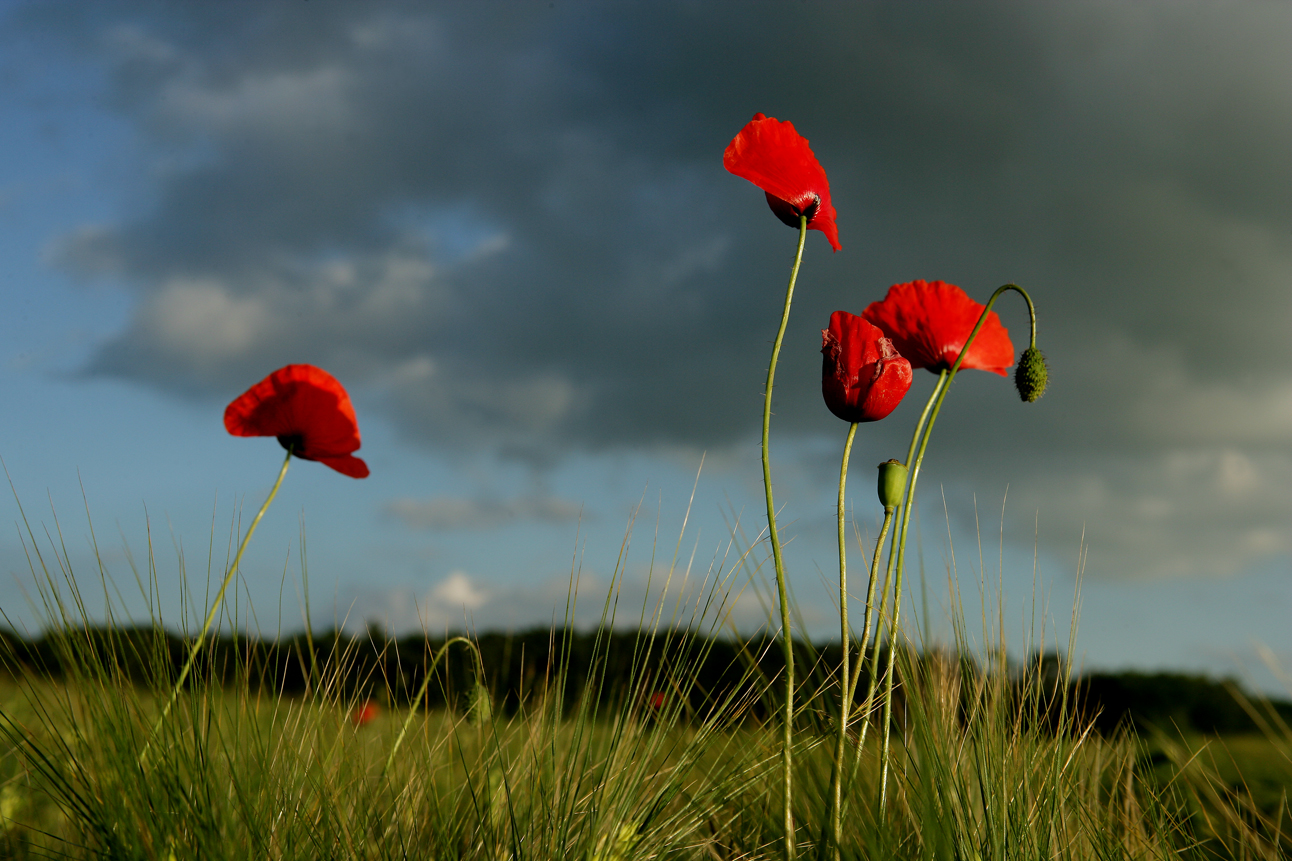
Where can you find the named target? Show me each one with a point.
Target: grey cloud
(453, 513)
(521, 235)
(1182, 511)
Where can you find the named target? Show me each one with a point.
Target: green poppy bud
(1031, 375)
(892, 483)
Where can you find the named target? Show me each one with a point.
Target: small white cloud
(1236, 474)
(449, 604)
(457, 590)
(277, 107)
(91, 249)
(131, 43)
(412, 372)
(718, 599)
(204, 320)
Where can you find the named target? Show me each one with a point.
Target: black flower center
(293, 442)
(811, 208)
(789, 212)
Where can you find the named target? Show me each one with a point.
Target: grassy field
(603, 747)
(983, 770)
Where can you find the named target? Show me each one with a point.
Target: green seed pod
(1031, 376)
(481, 705)
(892, 483)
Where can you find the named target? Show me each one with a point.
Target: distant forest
(645, 668)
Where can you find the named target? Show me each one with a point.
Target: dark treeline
(646, 669)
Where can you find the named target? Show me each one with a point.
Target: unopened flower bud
(1031, 375)
(863, 378)
(892, 483)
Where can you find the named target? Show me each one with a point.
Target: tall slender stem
(787, 755)
(215, 605)
(945, 379)
(845, 635)
(870, 612)
(888, 577)
(899, 551)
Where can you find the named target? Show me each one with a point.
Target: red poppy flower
(929, 322)
(364, 713)
(863, 378)
(309, 412)
(777, 159)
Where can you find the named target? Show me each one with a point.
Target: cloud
(1181, 512)
(458, 590)
(716, 599)
(453, 513)
(522, 239)
(450, 604)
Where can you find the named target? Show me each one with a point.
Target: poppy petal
(305, 408)
(776, 158)
(863, 378)
(346, 465)
(929, 322)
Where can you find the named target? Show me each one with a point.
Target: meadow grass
(991, 760)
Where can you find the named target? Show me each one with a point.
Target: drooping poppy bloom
(365, 713)
(309, 412)
(773, 156)
(863, 378)
(929, 322)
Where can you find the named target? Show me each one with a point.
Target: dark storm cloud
(513, 220)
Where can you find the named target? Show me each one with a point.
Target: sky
(506, 228)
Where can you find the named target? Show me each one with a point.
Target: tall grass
(992, 760)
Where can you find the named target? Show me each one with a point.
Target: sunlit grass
(990, 761)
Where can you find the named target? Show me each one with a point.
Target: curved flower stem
(215, 606)
(1031, 309)
(836, 772)
(899, 540)
(426, 683)
(787, 754)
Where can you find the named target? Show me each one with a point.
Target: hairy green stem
(888, 579)
(215, 606)
(787, 755)
(899, 540)
(845, 635)
(870, 612)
